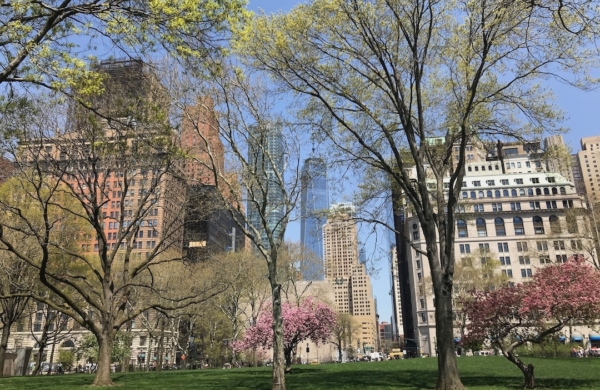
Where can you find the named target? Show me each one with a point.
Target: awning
(562, 339)
(457, 340)
(576, 336)
(594, 336)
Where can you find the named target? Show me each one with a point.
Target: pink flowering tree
(511, 316)
(309, 321)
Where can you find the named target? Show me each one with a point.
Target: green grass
(487, 373)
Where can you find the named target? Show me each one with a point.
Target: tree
(107, 185)
(39, 46)
(480, 272)
(513, 315)
(54, 329)
(88, 347)
(343, 332)
(260, 168)
(423, 77)
(308, 321)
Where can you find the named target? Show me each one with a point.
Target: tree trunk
(278, 352)
(51, 358)
(340, 352)
(526, 369)
(3, 347)
(39, 360)
(288, 360)
(104, 359)
(448, 378)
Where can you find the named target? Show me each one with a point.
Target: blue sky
(582, 112)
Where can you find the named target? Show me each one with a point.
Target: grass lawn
(489, 372)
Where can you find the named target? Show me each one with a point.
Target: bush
(550, 348)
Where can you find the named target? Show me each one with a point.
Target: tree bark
(39, 359)
(278, 351)
(3, 347)
(104, 356)
(526, 369)
(288, 360)
(448, 377)
(51, 358)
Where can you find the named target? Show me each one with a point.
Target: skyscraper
(314, 204)
(265, 190)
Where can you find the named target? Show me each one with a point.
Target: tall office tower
(314, 205)
(588, 162)
(352, 284)
(265, 194)
(396, 293)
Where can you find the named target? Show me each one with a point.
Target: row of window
(515, 206)
(506, 182)
(522, 246)
(514, 192)
(519, 230)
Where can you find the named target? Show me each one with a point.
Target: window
(478, 208)
(551, 204)
(515, 206)
(497, 193)
(490, 182)
(576, 245)
(507, 272)
(418, 262)
(461, 226)
(415, 235)
(561, 258)
(544, 260)
(481, 227)
(563, 191)
(567, 204)
(477, 183)
(513, 193)
(524, 260)
(465, 248)
(473, 195)
(538, 191)
(499, 224)
(522, 192)
(110, 225)
(559, 245)
(504, 260)
(518, 225)
(489, 194)
(465, 194)
(530, 191)
(504, 182)
(504, 192)
(554, 224)
(538, 225)
(484, 248)
(554, 191)
(526, 272)
(37, 327)
(496, 206)
(423, 317)
(546, 191)
(519, 181)
(542, 245)
(551, 179)
(522, 246)
(535, 180)
(503, 247)
(534, 205)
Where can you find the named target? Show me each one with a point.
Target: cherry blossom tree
(309, 320)
(511, 316)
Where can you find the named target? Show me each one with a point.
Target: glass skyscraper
(265, 187)
(314, 206)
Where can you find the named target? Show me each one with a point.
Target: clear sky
(582, 112)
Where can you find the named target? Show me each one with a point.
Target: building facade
(524, 218)
(265, 195)
(589, 159)
(313, 207)
(353, 293)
